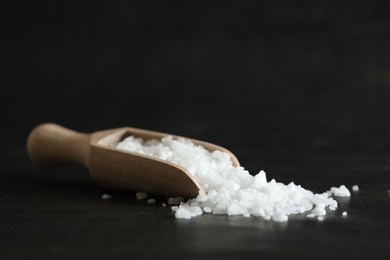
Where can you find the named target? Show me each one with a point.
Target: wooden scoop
(111, 167)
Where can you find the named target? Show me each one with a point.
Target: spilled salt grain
(141, 195)
(175, 200)
(106, 196)
(355, 188)
(163, 204)
(344, 213)
(341, 191)
(151, 201)
(232, 190)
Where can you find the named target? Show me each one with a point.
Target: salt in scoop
(111, 167)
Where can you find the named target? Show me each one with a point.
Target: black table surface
(58, 213)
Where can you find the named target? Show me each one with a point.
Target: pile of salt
(232, 190)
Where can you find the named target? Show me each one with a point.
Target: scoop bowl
(50, 143)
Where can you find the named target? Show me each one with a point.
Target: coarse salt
(141, 195)
(355, 188)
(232, 190)
(341, 191)
(106, 196)
(175, 200)
(151, 201)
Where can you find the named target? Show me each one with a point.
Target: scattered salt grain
(355, 188)
(151, 201)
(106, 196)
(163, 204)
(341, 191)
(175, 200)
(344, 214)
(232, 190)
(141, 195)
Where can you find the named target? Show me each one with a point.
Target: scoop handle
(53, 144)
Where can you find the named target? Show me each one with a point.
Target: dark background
(299, 89)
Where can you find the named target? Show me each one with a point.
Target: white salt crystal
(235, 209)
(344, 213)
(279, 217)
(151, 201)
(341, 191)
(141, 195)
(355, 188)
(163, 204)
(106, 196)
(188, 212)
(333, 205)
(260, 180)
(207, 209)
(232, 190)
(319, 211)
